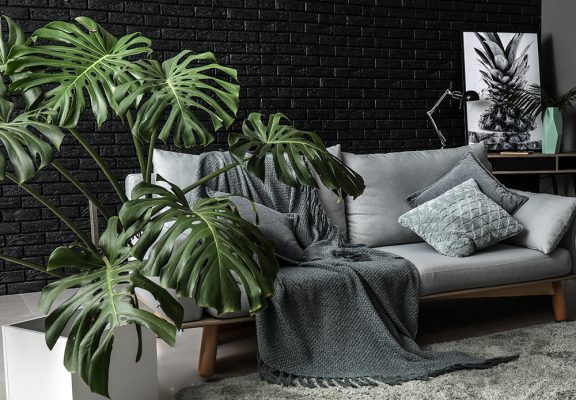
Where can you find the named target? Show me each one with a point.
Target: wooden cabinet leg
(559, 302)
(208, 349)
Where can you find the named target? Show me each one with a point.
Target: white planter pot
(34, 372)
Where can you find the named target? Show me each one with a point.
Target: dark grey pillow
(274, 225)
(470, 168)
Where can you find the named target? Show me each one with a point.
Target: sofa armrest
(132, 180)
(568, 242)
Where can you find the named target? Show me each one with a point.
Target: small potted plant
(535, 100)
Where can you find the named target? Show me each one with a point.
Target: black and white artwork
(494, 64)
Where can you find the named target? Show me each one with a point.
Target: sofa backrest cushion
(372, 218)
(176, 167)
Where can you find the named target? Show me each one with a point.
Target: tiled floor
(439, 321)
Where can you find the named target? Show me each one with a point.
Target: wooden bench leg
(208, 349)
(559, 302)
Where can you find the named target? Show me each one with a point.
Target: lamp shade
(471, 96)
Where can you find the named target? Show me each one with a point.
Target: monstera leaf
(75, 61)
(9, 39)
(174, 91)
(104, 302)
(25, 140)
(15, 36)
(201, 251)
(294, 152)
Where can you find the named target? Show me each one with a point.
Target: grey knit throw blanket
(347, 315)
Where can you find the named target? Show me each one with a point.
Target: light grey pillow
(373, 217)
(546, 219)
(461, 221)
(274, 225)
(175, 167)
(470, 168)
(331, 204)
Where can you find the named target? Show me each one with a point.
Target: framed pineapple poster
(494, 64)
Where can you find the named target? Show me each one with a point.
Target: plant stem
(149, 164)
(94, 154)
(30, 265)
(208, 177)
(48, 204)
(82, 188)
(137, 143)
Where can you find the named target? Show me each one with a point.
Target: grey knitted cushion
(273, 224)
(461, 221)
(470, 168)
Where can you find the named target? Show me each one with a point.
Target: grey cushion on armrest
(546, 219)
(274, 225)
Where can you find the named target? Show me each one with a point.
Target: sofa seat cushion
(390, 178)
(498, 265)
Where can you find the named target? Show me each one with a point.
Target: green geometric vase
(552, 135)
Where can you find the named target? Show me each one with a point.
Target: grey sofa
(372, 219)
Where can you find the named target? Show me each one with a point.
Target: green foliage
(535, 99)
(294, 152)
(201, 251)
(204, 250)
(104, 302)
(13, 37)
(24, 140)
(76, 62)
(180, 87)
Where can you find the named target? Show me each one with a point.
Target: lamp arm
(447, 92)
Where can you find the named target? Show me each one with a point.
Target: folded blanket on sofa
(347, 314)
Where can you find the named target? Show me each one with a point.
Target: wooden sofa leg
(208, 349)
(559, 302)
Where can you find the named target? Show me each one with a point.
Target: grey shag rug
(545, 370)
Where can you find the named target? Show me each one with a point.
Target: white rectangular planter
(35, 372)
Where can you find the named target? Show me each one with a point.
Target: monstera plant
(67, 69)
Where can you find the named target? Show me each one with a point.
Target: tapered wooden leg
(559, 302)
(208, 349)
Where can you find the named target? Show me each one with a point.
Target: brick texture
(359, 72)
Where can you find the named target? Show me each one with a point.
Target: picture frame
(494, 64)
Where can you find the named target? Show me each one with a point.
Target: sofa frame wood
(212, 327)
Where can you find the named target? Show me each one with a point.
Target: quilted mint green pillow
(461, 221)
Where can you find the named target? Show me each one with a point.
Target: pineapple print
(502, 70)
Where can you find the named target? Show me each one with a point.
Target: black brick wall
(359, 72)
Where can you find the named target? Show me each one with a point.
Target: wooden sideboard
(550, 165)
(534, 163)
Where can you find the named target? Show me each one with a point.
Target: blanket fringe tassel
(274, 376)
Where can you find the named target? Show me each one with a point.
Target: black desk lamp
(463, 97)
